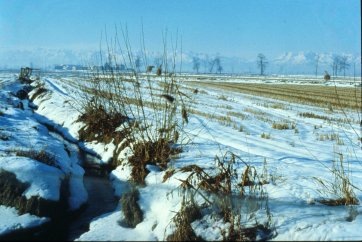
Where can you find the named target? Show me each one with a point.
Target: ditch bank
(71, 225)
(101, 200)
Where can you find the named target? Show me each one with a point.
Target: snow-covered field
(222, 120)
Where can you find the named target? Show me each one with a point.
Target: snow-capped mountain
(285, 63)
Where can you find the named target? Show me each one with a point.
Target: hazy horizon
(236, 30)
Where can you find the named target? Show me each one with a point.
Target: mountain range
(285, 63)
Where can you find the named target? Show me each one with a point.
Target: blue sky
(240, 28)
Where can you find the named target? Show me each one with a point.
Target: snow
(21, 131)
(10, 220)
(294, 160)
(44, 180)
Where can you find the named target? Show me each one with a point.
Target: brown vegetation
(338, 97)
(39, 91)
(11, 194)
(41, 156)
(100, 125)
(152, 153)
(130, 208)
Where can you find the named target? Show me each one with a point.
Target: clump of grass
(222, 97)
(41, 156)
(265, 136)
(313, 115)
(188, 213)
(278, 106)
(224, 120)
(41, 90)
(11, 194)
(341, 188)
(223, 193)
(254, 111)
(237, 115)
(4, 137)
(11, 187)
(331, 137)
(154, 104)
(130, 208)
(154, 153)
(100, 124)
(280, 126)
(274, 105)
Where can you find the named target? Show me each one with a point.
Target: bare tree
(211, 65)
(343, 64)
(196, 64)
(262, 63)
(206, 62)
(316, 64)
(216, 62)
(220, 69)
(138, 63)
(336, 64)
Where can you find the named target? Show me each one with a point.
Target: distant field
(323, 96)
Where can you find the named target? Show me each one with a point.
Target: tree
(216, 62)
(138, 63)
(206, 63)
(196, 64)
(211, 65)
(220, 69)
(316, 64)
(336, 64)
(262, 63)
(343, 64)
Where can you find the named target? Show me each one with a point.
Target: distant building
(70, 67)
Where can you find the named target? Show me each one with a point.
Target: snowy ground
(21, 130)
(294, 158)
(10, 220)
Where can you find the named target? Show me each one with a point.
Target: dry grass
(153, 153)
(331, 137)
(224, 120)
(340, 189)
(322, 96)
(40, 91)
(280, 126)
(100, 124)
(188, 213)
(265, 136)
(219, 192)
(255, 111)
(41, 156)
(11, 194)
(4, 137)
(274, 105)
(222, 97)
(313, 115)
(130, 208)
(237, 115)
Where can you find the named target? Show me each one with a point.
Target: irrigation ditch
(101, 199)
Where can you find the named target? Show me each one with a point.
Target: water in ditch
(101, 200)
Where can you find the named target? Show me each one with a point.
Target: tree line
(340, 64)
